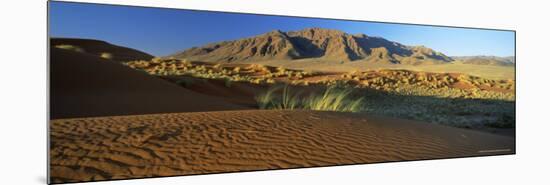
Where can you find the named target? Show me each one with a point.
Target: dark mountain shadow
(377, 42)
(306, 48)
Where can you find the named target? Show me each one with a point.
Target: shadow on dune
(85, 85)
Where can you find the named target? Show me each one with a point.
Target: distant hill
(100, 48)
(314, 43)
(486, 60)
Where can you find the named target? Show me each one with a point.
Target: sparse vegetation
(255, 73)
(453, 99)
(400, 82)
(70, 47)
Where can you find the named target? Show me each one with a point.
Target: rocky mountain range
(314, 43)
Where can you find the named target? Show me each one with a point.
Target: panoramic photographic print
(137, 92)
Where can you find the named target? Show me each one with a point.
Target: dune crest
(84, 85)
(100, 48)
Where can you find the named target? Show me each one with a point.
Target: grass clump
(331, 99)
(334, 99)
(289, 100)
(266, 99)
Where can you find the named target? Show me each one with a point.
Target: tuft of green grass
(279, 97)
(289, 100)
(265, 100)
(332, 99)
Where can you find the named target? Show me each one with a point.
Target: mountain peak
(317, 31)
(275, 32)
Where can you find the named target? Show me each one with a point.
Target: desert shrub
(270, 81)
(259, 67)
(186, 63)
(106, 55)
(354, 72)
(157, 60)
(217, 66)
(139, 64)
(70, 47)
(237, 69)
(256, 81)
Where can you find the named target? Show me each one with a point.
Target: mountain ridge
(486, 60)
(314, 43)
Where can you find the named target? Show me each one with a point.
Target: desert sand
(119, 147)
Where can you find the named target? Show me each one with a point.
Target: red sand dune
(84, 85)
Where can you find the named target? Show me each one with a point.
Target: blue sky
(162, 32)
